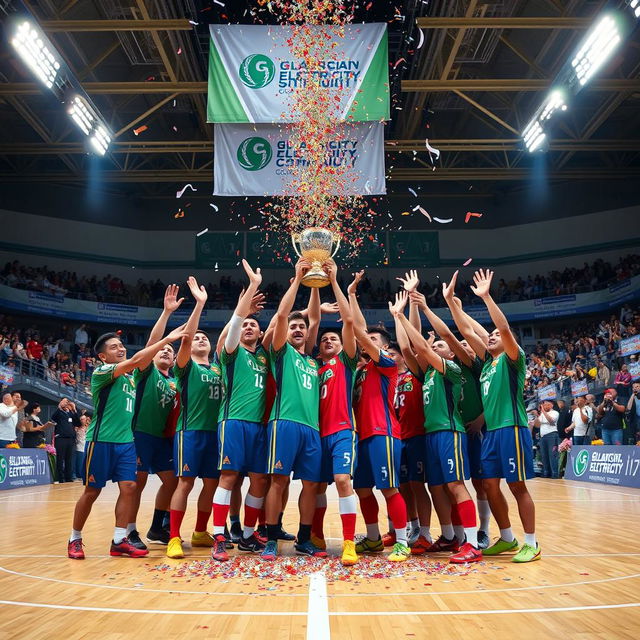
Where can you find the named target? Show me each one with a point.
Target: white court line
(580, 485)
(46, 491)
(318, 608)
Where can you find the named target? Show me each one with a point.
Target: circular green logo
(257, 71)
(254, 153)
(3, 469)
(581, 462)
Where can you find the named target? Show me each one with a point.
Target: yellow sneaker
(202, 539)
(400, 552)
(319, 543)
(349, 555)
(174, 548)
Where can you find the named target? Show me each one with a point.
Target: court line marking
(581, 485)
(318, 608)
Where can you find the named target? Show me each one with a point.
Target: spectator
(66, 419)
(564, 419)
(547, 421)
(603, 375)
(581, 418)
(81, 437)
(33, 427)
(622, 381)
(34, 348)
(611, 414)
(17, 400)
(633, 410)
(81, 339)
(9, 419)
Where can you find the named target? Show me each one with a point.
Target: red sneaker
(219, 549)
(74, 549)
(467, 553)
(125, 548)
(389, 539)
(259, 535)
(442, 544)
(421, 545)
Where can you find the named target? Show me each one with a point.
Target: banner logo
(254, 153)
(3, 469)
(581, 462)
(257, 71)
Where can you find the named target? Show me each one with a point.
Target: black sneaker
(251, 544)
(158, 536)
(283, 535)
(236, 532)
(227, 536)
(262, 531)
(135, 541)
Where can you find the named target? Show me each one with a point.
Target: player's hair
(101, 342)
(395, 346)
(326, 330)
(253, 316)
(383, 333)
(296, 315)
(203, 333)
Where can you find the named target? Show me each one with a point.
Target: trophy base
(315, 280)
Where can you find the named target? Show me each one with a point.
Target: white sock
(373, 531)
(530, 539)
(119, 534)
(426, 533)
(484, 513)
(459, 532)
(348, 504)
(223, 497)
(471, 534)
(507, 534)
(415, 524)
(131, 527)
(390, 521)
(321, 500)
(447, 531)
(75, 535)
(401, 535)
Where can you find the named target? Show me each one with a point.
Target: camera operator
(547, 421)
(633, 409)
(610, 414)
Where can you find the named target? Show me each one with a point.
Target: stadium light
(634, 5)
(90, 124)
(554, 102)
(36, 52)
(596, 48)
(533, 135)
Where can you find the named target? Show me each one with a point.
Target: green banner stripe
(223, 104)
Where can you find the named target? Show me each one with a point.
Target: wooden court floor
(586, 586)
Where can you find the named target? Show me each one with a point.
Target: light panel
(29, 42)
(597, 47)
(90, 124)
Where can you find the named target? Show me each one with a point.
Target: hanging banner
(549, 392)
(252, 72)
(258, 160)
(579, 388)
(629, 346)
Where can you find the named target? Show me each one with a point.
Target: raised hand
(431, 339)
(448, 290)
(177, 334)
(302, 266)
(410, 281)
(197, 291)
(397, 307)
(417, 298)
(255, 277)
(353, 287)
(327, 308)
(482, 279)
(257, 303)
(171, 301)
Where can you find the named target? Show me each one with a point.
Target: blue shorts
(154, 453)
(242, 446)
(195, 454)
(338, 454)
(105, 461)
(508, 453)
(413, 460)
(378, 463)
(293, 446)
(474, 449)
(447, 457)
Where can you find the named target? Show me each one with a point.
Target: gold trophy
(315, 246)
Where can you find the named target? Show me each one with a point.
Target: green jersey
(244, 375)
(200, 389)
(502, 389)
(441, 397)
(113, 400)
(471, 402)
(297, 394)
(155, 396)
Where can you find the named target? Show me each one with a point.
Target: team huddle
(348, 406)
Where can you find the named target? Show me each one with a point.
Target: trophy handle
(336, 238)
(295, 237)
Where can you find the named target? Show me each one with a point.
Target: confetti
(430, 149)
(180, 214)
(421, 41)
(424, 212)
(471, 214)
(405, 213)
(194, 23)
(443, 220)
(179, 51)
(413, 192)
(179, 193)
(398, 62)
(139, 130)
(201, 233)
(215, 208)
(467, 262)
(219, 3)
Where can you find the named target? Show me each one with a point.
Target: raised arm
(344, 309)
(422, 346)
(410, 284)
(243, 308)
(199, 294)
(171, 304)
(396, 309)
(280, 328)
(313, 317)
(352, 292)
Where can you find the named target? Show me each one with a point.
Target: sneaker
(443, 544)
(253, 544)
(158, 536)
(202, 539)
(174, 548)
(369, 546)
(400, 552)
(421, 545)
(467, 553)
(219, 551)
(283, 535)
(320, 543)
(528, 554)
(349, 555)
(125, 548)
(262, 535)
(483, 540)
(228, 544)
(134, 539)
(236, 532)
(500, 546)
(389, 539)
(270, 551)
(75, 550)
(309, 549)
(413, 536)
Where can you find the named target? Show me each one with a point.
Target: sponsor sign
(629, 346)
(6, 376)
(253, 72)
(634, 370)
(605, 464)
(23, 468)
(579, 388)
(547, 393)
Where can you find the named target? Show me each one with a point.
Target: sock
(158, 517)
(175, 522)
(119, 534)
(234, 519)
(304, 533)
(75, 535)
(131, 527)
(456, 520)
(262, 518)
(447, 531)
(507, 534)
(272, 532)
(280, 519)
(530, 539)
(397, 510)
(347, 508)
(252, 511)
(467, 512)
(415, 524)
(369, 508)
(390, 523)
(166, 520)
(484, 513)
(221, 502)
(318, 516)
(373, 531)
(201, 521)
(426, 533)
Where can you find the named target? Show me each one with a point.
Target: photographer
(547, 421)
(33, 427)
(610, 414)
(67, 419)
(582, 416)
(633, 409)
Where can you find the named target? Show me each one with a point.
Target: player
(155, 398)
(293, 437)
(379, 447)
(109, 451)
(195, 450)
(338, 362)
(507, 448)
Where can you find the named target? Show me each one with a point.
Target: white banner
(258, 160)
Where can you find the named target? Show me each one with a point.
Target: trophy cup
(315, 246)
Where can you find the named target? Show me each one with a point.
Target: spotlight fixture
(84, 116)
(533, 135)
(36, 52)
(554, 102)
(634, 5)
(596, 48)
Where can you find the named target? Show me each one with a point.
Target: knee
(310, 486)
(491, 487)
(518, 489)
(258, 485)
(343, 485)
(128, 488)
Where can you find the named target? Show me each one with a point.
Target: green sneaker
(400, 552)
(369, 546)
(501, 546)
(528, 554)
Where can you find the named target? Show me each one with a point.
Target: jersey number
(306, 381)
(399, 400)
(485, 387)
(129, 408)
(259, 381)
(324, 391)
(214, 392)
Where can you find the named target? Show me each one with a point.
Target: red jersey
(375, 395)
(409, 407)
(337, 377)
(270, 395)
